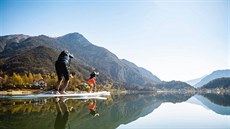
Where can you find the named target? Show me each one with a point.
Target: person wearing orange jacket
(92, 80)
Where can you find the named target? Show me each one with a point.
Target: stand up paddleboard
(79, 95)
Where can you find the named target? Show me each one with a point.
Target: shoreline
(36, 91)
(19, 92)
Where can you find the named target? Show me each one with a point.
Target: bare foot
(62, 92)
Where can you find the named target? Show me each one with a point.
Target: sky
(174, 39)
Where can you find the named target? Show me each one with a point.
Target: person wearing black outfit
(62, 66)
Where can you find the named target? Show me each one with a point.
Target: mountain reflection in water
(116, 112)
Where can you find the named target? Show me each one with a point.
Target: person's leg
(59, 74)
(66, 75)
(58, 85)
(94, 88)
(91, 88)
(64, 86)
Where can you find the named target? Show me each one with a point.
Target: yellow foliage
(37, 77)
(17, 79)
(31, 78)
(25, 79)
(6, 79)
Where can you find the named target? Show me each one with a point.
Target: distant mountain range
(176, 85)
(218, 83)
(212, 76)
(37, 54)
(195, 81)
(143, 71)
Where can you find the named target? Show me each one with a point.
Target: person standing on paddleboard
(92, 80)
(62, 66)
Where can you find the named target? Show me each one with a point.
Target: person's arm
(71, 55)
(68, 54)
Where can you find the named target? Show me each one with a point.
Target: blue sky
(174, 39)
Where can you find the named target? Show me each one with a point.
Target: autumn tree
(37, 77)
(30, 78)
(17, 79)
(6, 80)
(25, 79)
(51, 80)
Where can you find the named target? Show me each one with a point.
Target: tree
(30, 78)
(51, 81)
(17, 79)
(6, 79)
(37, 77)
(73, 82)
(25, 79)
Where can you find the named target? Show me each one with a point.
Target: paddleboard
(103, 98)
(95, 94)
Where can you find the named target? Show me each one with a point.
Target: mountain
(142, 71)
(195, 81)
(174, 85)
(103, 60)
(212, 76)
(36, 60)
(217, 83)
(11, 39)
(17, 48)
(40, 60)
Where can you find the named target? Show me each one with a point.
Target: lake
(129, 111)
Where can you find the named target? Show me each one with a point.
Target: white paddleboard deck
(80, 95)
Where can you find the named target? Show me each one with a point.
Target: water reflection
(218, 103)
(219, 99)
(62, 113)
(117, 110)
(93, 108)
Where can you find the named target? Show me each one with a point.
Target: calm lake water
(130, 111)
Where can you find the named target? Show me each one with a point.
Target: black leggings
(62, 70)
